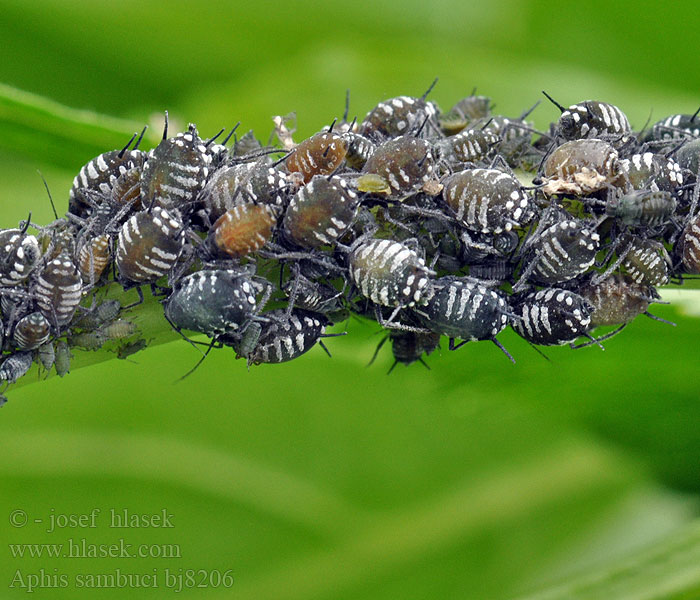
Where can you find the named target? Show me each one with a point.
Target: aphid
(117, 330)
(63, 356)
(20, 254)
(245, 182)
(359, 149)
(463, 308)
(31, 331)
(649, 171)
(321, 154)
(561, 252)
(100, 174)
(410, 346)
(580, 167)
(675, 127)
(642, 208)
(390, 273)
(99, 315)
(175, 171)
(46, 354)
(149, 244)
(399, 116)
(590, 119)
(283, 338)
(126, 350)
(487, 200)
(467, 110)
(214, 302)
(688, 246)
(470, 145)
(406, 163)
(241, 230)
(320, 212)
(551, 317)
(58, 290)
(15, 366)
(87, 340)
(93, 258)
(646, 261)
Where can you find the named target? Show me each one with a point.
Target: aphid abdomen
(551, 317)
(241, 230)
(487, 200)
(31, 331)
(647, 262)
(149, 244)
(616, 300)
(406, 163)
(320, 212)
(321, 154)
(59, 290)
(390, 273)
(642, 208)
(398, 116)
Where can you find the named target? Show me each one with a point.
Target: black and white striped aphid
(649, 171)
(390, 273)
(58, 290)
(20, 254)
(284, 337)
(675, 127)
(561, 252)
(470, 145)
(551, 317)
(15, 366)
(400, 116)
(175, 171)
(487, 200)
(590, 119)
(215, 301)
(149, 244)
(31, 331)
(462, 308)
(100, 174)
(320, 212)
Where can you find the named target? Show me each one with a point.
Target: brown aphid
(93, 258)
(406, 163)
(616, 300)
(31, 331)
(243, 229)
(580, 167)
(321, 154)
(320, 212)
(127, 188)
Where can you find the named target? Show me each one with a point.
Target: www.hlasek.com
(176, 580)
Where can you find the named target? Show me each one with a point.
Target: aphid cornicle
(390, 273)
(590, 119)
(551, 317)
(15, 366)
(642, 208)
(321, 154)
(283, 338)
(241, 230)
(487, 200)
(214, 301)
(31, 331)
(175, 171)
(20, 254)
(100, 174)
(320, 212)
(406, 163)
(561, 252)
(463, 308)
(58, 290)
(149, 244)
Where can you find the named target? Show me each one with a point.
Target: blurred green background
(324, 479)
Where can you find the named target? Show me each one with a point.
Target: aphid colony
(413, 217)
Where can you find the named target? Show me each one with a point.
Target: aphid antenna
(675, 149)
(553, 101)
(529, 111)
(46, 185)
(212, 139)
(347, 106)
(503, 349)
(165, 126)
(125, 148)
(26, 225)
(602, 338)
(228, 137)
(199, 362)
(430, 89)
(648, 314)
(376, 351)
(138, 141)
(284, 158)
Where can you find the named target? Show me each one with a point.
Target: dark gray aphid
(15, 366)
(20, 254)
(31, 331)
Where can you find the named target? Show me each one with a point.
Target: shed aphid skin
(590, 119)
(487, 200)
(100, 174)
(551, 316)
